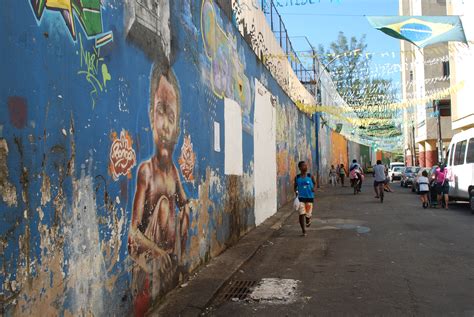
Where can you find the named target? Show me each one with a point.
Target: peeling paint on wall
(7, 190)
(84, 232)
(86, 265)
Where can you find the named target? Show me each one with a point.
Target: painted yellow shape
(63, 5)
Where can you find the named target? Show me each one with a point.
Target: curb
(200, 290)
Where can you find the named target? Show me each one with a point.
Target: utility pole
(440, 137)
(413, 145)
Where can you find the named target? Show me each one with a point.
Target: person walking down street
(379, 172)
(304, 189)
(442, 186)
(342, 174)
(424, 188)
(387, 187)
(338, 173)
(333, 176)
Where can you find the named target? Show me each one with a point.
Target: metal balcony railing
(306, 75)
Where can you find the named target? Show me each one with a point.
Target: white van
(460, 164)
(396, 164)
(395, 170)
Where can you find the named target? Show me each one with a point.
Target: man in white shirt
(379, 173)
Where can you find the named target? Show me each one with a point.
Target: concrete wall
(336, 149)
(130, 150)
(339, 150)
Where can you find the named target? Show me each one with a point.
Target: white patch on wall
(86, 262)
(265, 169)
(217, 136)
(233, 138)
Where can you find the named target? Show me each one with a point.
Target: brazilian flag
(421, 30)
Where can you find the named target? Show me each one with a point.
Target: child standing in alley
(424, 188)
(304, 189)
(333, 176)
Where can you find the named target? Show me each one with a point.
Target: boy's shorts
(306, 209)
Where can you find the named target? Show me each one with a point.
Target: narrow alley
(151, 150)
(363, 258)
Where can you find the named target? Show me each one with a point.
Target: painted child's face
(165, 128)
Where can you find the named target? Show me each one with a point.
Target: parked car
(396, 173)
(416, 185)
(460, 164)
(369, 170)
(408, 176)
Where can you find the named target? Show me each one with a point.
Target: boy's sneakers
(308, 222)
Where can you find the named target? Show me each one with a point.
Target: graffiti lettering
(122, 155)
(90, 63)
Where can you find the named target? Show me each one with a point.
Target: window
(451, 156)
(446, 71)
(448, 159)
(443, 106)
(460, 152)
(411, 75)
(470, 152)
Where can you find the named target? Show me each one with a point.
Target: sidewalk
(193, 296)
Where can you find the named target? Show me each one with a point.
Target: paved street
(362, 257)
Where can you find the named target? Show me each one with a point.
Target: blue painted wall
(75, 130)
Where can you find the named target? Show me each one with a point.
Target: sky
(322, 21)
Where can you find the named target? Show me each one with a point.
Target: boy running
(304, 189)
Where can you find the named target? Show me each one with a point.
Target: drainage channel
(236, 290)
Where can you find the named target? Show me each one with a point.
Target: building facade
(462, 66)
(425, 72)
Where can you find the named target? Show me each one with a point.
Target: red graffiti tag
(122, 155)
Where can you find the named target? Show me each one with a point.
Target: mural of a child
(158, 234)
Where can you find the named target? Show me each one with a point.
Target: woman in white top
(333, 176)
(424, 188)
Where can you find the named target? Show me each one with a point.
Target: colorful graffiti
(88, 12)
(187, 159)
(227, 75)
(106, 211)
(94, 69)
(158, 234)
(122, 155)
